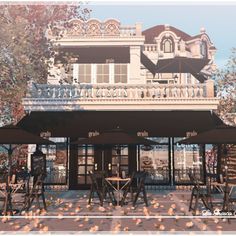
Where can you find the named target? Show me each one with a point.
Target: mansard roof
(155, 31)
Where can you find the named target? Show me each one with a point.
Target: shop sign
(93, 133)
(191, 134)
(46, 134)
(143, 133)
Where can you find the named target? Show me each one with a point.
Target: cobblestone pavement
(69, 211)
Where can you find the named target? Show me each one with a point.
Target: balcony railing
(117, 91)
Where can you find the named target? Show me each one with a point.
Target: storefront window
(56, 161)
(155, 160)
(187, 158)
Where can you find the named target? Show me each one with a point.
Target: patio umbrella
(220, 135)
(182, 65)
(116, 137)
(11, 135)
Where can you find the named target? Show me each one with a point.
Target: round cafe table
(117, 187)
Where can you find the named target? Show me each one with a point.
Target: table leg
(118, 188)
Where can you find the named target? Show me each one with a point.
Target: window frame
(120, 74)
(85, 74)
(102, 74)
(163, 45)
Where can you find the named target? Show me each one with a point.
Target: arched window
(167, 45)
(204, 48)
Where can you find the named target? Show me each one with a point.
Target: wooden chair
(6, 197)
(199, 193)
(128, 189)
(99, 187)
(140, 178)
(136, 187)
(229, 199)
(34, 190)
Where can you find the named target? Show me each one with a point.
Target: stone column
(135, 65)
(210, 88)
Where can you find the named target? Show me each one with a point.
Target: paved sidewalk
(69, 211)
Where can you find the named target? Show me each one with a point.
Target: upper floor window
(167, 45)
(85, 73)
(204, 49)
(121, 73)
(102, 73)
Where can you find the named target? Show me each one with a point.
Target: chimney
(202, 30)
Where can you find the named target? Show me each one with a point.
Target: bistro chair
(136, 188)
(128, 189)
(199, 192)
(229, 199)
(100, 187)
(34, 190)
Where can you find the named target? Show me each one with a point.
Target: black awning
(181, 65)
(156, 123)
(89, 55)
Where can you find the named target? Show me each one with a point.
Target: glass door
(85, 164)
(120, 161)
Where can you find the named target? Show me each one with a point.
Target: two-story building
(155, 83)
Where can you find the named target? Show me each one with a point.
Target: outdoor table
(221, 186)
(117, 188)
(13, 189)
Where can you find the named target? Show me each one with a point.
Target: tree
(25, 50)
(226, 89)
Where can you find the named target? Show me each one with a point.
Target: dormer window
(204, 49)
(167, 45)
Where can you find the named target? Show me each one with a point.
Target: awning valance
(89, 55)
(155, 123)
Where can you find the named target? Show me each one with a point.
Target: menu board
(38, 163)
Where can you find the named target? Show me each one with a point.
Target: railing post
(210, 88)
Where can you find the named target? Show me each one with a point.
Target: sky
(217, 17)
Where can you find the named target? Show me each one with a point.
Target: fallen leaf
(189, 224)
(26, 228)
(138, 221)
(94, 229)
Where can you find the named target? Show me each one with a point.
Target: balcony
(120, 96)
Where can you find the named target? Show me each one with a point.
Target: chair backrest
(139, 178)
(97, 178)
(194, 180)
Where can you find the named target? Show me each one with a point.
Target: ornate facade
(105, 65)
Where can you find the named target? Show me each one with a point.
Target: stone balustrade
(118, 91)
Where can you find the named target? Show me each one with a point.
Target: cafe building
(153, 83)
